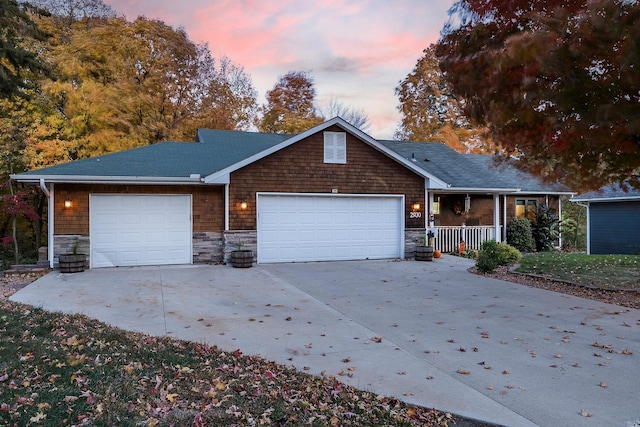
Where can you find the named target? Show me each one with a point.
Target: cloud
(356, 49)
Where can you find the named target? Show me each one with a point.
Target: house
(330, 193)
(613, 219)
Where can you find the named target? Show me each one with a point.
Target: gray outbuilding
(613, 219)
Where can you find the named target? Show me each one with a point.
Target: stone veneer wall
(412, 238)
(64, 243)
(208, 247)
(240, 239)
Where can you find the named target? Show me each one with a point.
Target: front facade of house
(331, 193)
(613, 218)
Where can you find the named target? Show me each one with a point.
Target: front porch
(449, 237)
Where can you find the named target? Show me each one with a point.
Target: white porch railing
(449, 237)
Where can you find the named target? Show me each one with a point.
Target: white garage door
(129, 230)
(329, 228)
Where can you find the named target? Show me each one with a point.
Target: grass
(602, 271)
(58, 369)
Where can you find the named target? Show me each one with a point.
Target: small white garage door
(128, 229)
(296, 228)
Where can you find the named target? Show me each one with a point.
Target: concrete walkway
(428, 333)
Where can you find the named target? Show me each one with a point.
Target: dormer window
(335, 147)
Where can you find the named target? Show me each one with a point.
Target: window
(526, 208)
(335, 147)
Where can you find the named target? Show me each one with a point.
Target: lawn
(58, 369)
(602, 271)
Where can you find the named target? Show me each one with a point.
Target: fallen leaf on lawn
(171, 396)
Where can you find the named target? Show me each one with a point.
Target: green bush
(492, 255)
(545, 229)
(519, 235)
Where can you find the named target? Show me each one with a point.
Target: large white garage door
(329, 228)
(129, 229)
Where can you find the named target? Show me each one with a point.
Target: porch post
(428, 197)
(504, 217)
(560, 217)
(496, 216)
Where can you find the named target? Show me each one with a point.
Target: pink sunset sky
(357, 51)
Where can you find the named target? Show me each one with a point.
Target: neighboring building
(613, 219)
(330, 193)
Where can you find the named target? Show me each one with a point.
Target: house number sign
(415, 214)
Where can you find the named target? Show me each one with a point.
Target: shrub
(492, 255)
(545, 229)
(519, 235)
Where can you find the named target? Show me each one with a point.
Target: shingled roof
(214, 150)
(219, 151)
(611, 193)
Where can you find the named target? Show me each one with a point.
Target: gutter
(86, 179)
(475, 190)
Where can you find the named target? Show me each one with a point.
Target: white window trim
(335, 147)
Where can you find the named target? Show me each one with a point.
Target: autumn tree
(122, 84)
(432, 113)
(290, 107)
(16, 61)
(355, 117)
(556, 81)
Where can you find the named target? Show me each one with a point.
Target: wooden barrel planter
(242, 258)
(72, 263)
(424, 253)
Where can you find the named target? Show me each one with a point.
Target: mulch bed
(630, 299)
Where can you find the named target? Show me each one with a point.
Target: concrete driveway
(428, 333)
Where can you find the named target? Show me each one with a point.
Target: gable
(301, 167)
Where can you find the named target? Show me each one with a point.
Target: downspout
(226, 207)
(560, 217)
(50, 221)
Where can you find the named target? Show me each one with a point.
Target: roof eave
(606, 199)
(89, 179)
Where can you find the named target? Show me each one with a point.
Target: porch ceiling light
(415, 207)
(244, 205)
(68, 204)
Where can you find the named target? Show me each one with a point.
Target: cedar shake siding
(300, 168)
